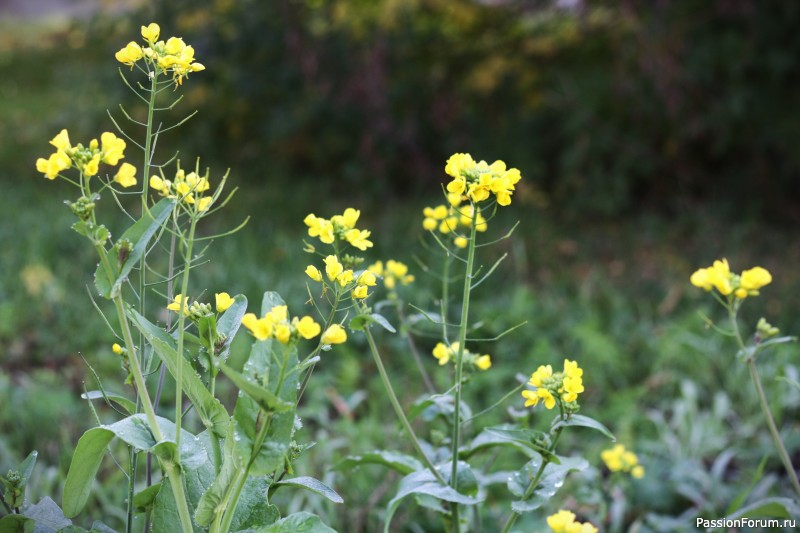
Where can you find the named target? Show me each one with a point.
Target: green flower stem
(534, 482)
(173, 472)
(412, 346)
(762, 398)
(462, 337)
(445, 295)
(398, 409)
(181, 322)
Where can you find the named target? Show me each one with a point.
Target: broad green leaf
(48, 516)
(99, 527)
(423, 482)
(769, 508)
(265, 399)
(405, 464)
(211, 412)
(165, 513)
(86, 461)
(102, 282)
(309, 483)
(144, 499)
(442, 405)
(16, 523)
(133, 431)
(551, 480)
(361, 322)
(231, 465)
(583, 421)
(253, 509)
(118, 399)
(298, 523)
(25, 468)
(507, 436)
(229, 323)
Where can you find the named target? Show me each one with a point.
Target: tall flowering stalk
(731, 290)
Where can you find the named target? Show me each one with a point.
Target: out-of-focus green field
(611, 291)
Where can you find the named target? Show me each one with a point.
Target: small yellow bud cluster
(87, 159)
(618, 459)
(393, 272)
(478, 181)
(187, 188)
(564, 522)
(448, 219)
(551, 387)
(173, 56)
(276, 325)
(339, 227)
(445, 353)
(719, 276)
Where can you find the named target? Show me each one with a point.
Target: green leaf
(16, 523)
(298, 523)
(742, 496)
(139, 235)
(102, 282)
(583, 421)
(25, 468)
(118, 399)
(309, 483)
(229, 323)
(211, 412)
(145, 498)
(438, 405)
(361, 322)
(776, 340)
(405, 464)
(133, 431)
(48, 516)
(231, 465)
(507, 436)
(551, 480)
(254, 510)
(770, 508)
(423, 482)
(268, 402)
(99, 527)
(165, 513)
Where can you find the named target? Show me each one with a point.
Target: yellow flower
(160, 185)
(307, 328)
(532, 398)
(376, 268)
(125, 175)
(429, 224)
(151, 32)
(223, 301)
(637, 471)
(91, 168)
(279, 313)
(261, 328)
(543, 372)
(571, 369)
(61, 141)
(345, 277)
(701, 279)
(458, 164)
(334, 335)
(282, 332)
(360, 292)
(116, 348)
(130, 54)
(313, 273)
(178, 304)
(755, 278)
(333, 267)
(484, 362)
(560, 521)
(448, 224)
(720, 277)
(204, 203)
(358, 238)
(57, 162)
(572, 387)
(618, 459)
(112, 148)
(367, 278)
(461, 242)
(350, 217)
(174, 45)
(442, 353)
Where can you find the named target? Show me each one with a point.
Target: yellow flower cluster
(222, 301)
(550, 387)
(276, 324)
(87, 159)
(445, 353)
(564, 522)
(447, 219)
(173, 56)
(339, 227)
(393, 272)
(618, 459)
(345, 278)
(719, 276)
(187, 188)
(478, 181)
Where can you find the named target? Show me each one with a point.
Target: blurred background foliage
(653, 138)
